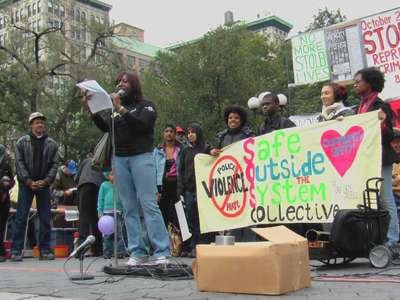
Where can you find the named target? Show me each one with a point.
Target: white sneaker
(154, 261)
(136, 261)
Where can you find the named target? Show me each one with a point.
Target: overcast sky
(169, 21)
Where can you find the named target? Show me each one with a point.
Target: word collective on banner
(283, 186)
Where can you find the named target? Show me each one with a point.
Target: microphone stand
(114, 268)
(114, 189)
(82, 276)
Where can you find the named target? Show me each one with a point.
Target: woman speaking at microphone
(134, 168)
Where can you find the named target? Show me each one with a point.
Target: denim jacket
(159, 159)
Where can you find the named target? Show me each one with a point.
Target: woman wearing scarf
(333, 96)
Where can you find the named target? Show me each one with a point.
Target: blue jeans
(135, 178)
(388, 203)
(108, 240)
(25, 197)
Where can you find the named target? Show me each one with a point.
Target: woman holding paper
(135, 172)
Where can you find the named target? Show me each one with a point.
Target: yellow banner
(296, 175)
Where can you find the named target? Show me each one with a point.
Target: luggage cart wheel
(395, 254)
(380, 256)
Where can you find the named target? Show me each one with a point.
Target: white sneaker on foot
(136, 261)
(154, 261)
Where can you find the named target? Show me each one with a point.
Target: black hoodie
(186, 178)
(134, 129)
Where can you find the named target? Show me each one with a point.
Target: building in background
(74, 23)
(128, 42)
(36, 15)
(79, 18)
(270, 26)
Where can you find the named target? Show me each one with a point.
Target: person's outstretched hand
(215, 152)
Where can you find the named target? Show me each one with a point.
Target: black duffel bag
(356, 231)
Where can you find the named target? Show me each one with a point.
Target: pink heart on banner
(342, 150)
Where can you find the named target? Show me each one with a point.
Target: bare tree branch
(9, 122)
(62, 74)
(100, 37)
(63, 53)
(39, 35)
(16, 57)
(53, 69)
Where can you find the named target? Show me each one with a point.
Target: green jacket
(62, 182)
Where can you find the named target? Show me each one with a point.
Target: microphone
(121, 93)
(89, 240)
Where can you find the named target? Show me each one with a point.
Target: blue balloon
(106, 225)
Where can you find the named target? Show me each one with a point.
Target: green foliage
(306, 98)
(325, 18)
(195, 83)
(39, 73)
(227, 66)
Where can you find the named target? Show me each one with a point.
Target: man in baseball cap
(36, 164)
(180, 136)
(36, 115)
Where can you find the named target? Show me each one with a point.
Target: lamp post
(254, 103)
(290, 86)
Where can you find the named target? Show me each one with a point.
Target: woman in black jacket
(134, 168)
(368, 83)
(236, 128)
(187, 185)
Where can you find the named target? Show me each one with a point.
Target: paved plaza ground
(34, 279)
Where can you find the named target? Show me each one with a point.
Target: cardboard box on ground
(277, 266)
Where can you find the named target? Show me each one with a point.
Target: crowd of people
(146, 182)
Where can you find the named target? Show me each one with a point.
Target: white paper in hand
(100, 99)
(182, 221)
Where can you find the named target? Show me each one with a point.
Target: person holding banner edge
(235, 119)
(273, 119)
(368, 83)
(236, 122)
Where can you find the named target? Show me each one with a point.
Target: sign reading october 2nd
(381, 37)
(297, 175)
